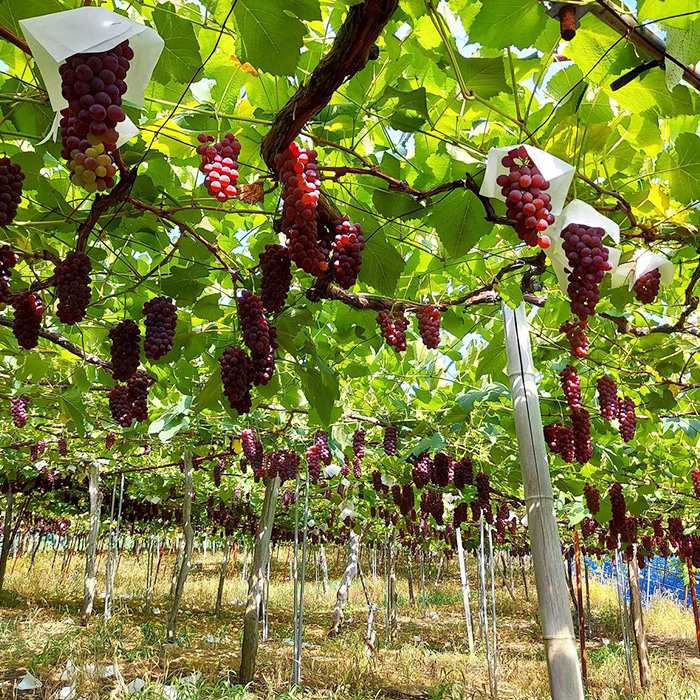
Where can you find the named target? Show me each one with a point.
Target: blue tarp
(661, 576)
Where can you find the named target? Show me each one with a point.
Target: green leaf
(73, 405)
(320, 386)
(270, 39)
(501, 23)
(683, 171)
(485, 76)
(459, 221)
(650, 94)
(180, 57)
(381, 264)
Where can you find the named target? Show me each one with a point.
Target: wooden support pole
(90, 578)
(555, 617)
(256, 583)
(581, 617)
(640, 638)
(694, 596)
(188, 533)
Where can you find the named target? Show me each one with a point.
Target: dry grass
(429, 659)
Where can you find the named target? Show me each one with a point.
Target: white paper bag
(642, 262)
(559, 173)
(29, 682)
(54, 38)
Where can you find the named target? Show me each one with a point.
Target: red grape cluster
(607, 398)
(377, 483)
(461, 514)
(431, 503)
(527, 202)
(73, 287)
(236, 371)
(357, 467)
(264, 363)
(284, 464)
(313, 462)
(109, 441)
(347, 245)
(218, 471)
(675, 530)
(646, 288)
(358, 442)
(443, 471)
(219, 165)
(321, 441)
(618, 505)
(581, 425)
(592, 496)
(429, 326)
(120, 406)
(422, 470)
(62, 447)
(391, 436)
(27, 319)
(627, 418)
(18, 411)
(249, 442)
(125, 337)
(576, 335)
(463, 473)
(695, 476)
(345, 469)
(301, 191)
(161, 319)
(571, 385)
(138, 398)
(483, 496)
(93, 85)
(588, 527)
(628, 531)
(129, 402)
(276, 268)
(587, 264)
(560, 440)
(11, 177)
(253, 324)
(393, 327)
(7, 261)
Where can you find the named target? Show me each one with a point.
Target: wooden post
(465, 590)
(90, 578)
(640, 638)
(187, 551)
(7, 534)
(256, 582)
(555, 617)
(581, 619)
(222, 579)
(343, 588)
(694, 595)
(324, 569)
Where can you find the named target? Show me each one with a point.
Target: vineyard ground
(428, 660)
